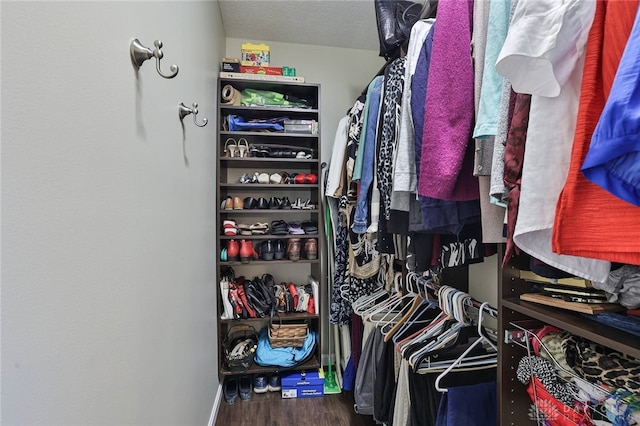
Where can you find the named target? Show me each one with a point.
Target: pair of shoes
(259, 228)
(247, 178)
(309, 178)
(223, 255)
(251, 203)
(236, 149)
(229, 227)
(303, 205)
(310, 227)
(295, 229)
(244, 229)
(232, 203)
(279, 227)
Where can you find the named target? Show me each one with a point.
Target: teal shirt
(491, 90)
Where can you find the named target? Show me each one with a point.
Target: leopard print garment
(391, 105)
(598, 364)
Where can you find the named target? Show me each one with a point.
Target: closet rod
(475, 303)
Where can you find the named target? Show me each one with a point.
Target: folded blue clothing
(623, 322)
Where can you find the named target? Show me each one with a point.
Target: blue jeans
(361, 216)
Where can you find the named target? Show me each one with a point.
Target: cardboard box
(261, 70)
(230, 65)
(254, 55)
(301, 384)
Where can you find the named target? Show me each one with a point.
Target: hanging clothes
(390, 115)
(613, 156)
(590, 221)
(513, 159)
(366, 156)
(404, 172)
(446, 167)
(548, 153)
(472, 405)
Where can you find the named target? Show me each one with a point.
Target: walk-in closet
(357, 213)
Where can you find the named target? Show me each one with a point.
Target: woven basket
(283, 335)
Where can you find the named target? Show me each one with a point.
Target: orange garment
(591, 222)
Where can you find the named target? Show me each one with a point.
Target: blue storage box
(301, 384)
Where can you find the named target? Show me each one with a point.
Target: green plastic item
(267, 98)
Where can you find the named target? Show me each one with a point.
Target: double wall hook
(140, 53)
(184, 110)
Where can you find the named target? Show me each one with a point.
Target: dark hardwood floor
(269, 409)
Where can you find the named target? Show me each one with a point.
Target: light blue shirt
(491, 90)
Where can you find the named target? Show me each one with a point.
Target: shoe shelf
(294, 316)
(229, 133)
(254, 186)
(311, 364)
(267, 161)
(272, 150)
(260, 212)
(269, 109)
(267, 262)
(267, 237)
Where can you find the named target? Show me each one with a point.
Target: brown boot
(293, 249)
(311, 248)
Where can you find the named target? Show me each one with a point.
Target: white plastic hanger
(482, 339)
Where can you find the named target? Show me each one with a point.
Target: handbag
(394, 19)
(286, 357)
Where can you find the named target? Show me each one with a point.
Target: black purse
(395, 19)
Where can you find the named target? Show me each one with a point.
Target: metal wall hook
(140, 53)
(184, 110)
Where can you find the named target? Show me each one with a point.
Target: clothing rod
(475, 303)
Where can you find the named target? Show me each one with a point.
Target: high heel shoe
(231, 148)
(243, 148)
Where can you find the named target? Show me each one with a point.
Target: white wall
(343, 74)
(483, 280)
(108, 240)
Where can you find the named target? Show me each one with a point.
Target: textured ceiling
(347, 23)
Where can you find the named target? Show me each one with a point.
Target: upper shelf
(270, 134)
(269, 109)
(579, 325)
